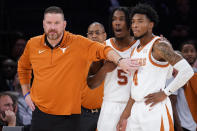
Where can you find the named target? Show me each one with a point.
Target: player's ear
(151, 25)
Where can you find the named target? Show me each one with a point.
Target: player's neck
(124, 42)
(145, 39)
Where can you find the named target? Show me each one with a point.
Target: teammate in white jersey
(117, 82)
(149, 107)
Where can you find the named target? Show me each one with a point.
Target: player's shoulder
(162, 45)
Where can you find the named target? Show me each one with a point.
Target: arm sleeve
(185, 72)
(24, 66)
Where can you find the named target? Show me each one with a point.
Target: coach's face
(141, 25)
(54, 25)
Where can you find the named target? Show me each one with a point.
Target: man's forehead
(53, 15)
(95, 27)
(6, 97)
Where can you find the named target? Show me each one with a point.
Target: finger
(154, 103)
(33, 106)
(127, 71)
(118, 127)
(148, 101)
(149, 96)
(124, 125)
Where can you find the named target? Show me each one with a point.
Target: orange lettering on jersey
(142, 61)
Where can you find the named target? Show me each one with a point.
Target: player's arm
(163, 50)
(95, 80)
(121, 126)
(185, 71)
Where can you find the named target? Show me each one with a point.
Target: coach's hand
(128, 65)
(30, 102)
(155, 98)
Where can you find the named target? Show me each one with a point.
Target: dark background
(23, 18)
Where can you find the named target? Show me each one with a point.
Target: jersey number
(122, 78)
(135, 79)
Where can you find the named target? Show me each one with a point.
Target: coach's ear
(65, 23)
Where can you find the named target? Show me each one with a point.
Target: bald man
(92, 98)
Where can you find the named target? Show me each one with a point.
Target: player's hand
(30, 102)
(109, 66)
(155, 98)
(164, 39)
(9, 117)
(129, 65)
(122, 124)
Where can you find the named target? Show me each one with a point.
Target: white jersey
(117, 83)
(152, 74)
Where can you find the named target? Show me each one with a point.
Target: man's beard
(54, 36)
(139, 37)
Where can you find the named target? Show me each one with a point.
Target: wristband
(26, 94)
(119, 60)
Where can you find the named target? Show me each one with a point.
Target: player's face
(96, 33)
(119, 24)
(6, 103)
(189, 53)
(140, 25)
(54, 25)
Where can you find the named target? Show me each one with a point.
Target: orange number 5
(122, 78)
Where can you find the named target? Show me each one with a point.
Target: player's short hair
(146, 10)
(190, 42)
(126, 12)
(54, 9)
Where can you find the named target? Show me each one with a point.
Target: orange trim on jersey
(142, 47)
(171, 125)
(123, 49)
(153, 61)
(132, 52)
(162, 126)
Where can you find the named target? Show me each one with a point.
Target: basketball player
(117, 82)
(149, 107)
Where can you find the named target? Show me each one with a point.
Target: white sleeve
(185, 72)
(169, 75)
